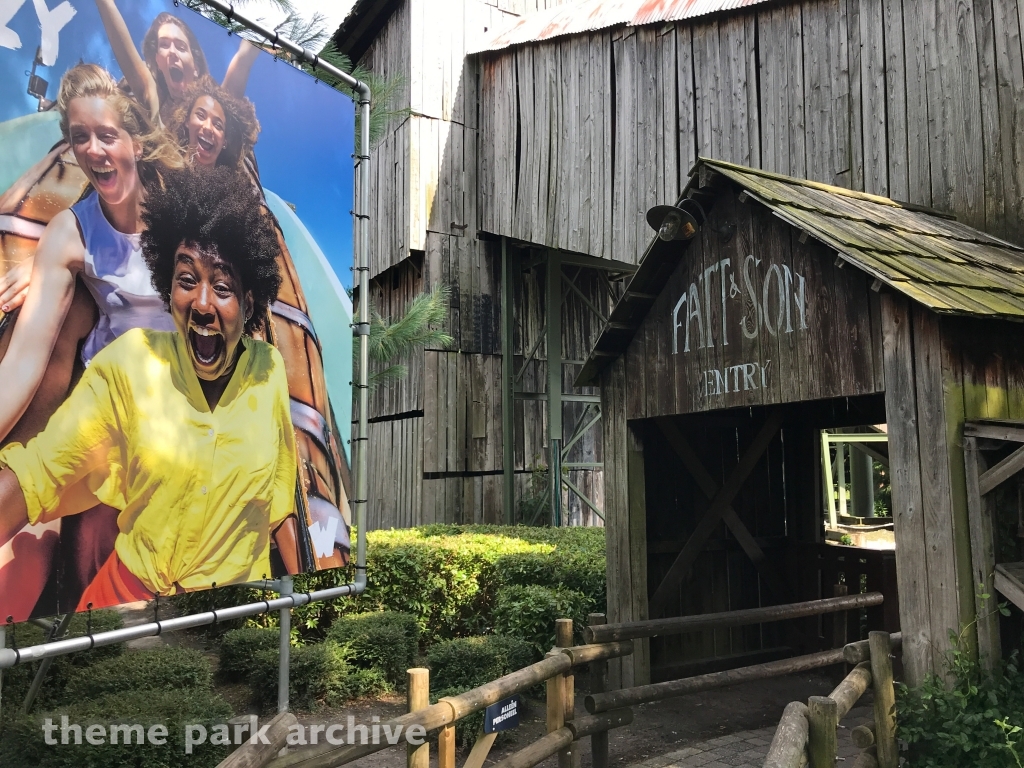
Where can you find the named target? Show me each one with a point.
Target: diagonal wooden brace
(722, 501)
(709, 487)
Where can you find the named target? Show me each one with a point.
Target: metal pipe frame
(10, 657)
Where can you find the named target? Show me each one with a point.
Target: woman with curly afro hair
(214, 127)
(188, 432)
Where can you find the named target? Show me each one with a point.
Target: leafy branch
(391, 340)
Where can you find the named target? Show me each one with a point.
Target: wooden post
(446, 747)
(885, 700)
(598, 684)
(982, 555)
(567, 758)
(419, 698)
(822, 740)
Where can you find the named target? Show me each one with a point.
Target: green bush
(24, 746)
(386, 641)
(468, 662)
(457, 666)
(16, 681)
(446, 576)
(319, 674)
(530, 612)
(238, 648)
(973, 724)
(164, 669)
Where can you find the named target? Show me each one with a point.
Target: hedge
(238, 649)
(448, 576)
(164, 669)
(530, 612)
(24, 746)
(386, 641)
(459, 665)
(320, 674)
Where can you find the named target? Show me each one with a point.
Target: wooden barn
(800, 307)
(536, 136)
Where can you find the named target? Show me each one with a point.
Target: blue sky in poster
(305, 147)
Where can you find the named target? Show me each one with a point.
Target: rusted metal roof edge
(595, 15)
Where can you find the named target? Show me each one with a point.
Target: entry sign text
(775, 305)
(502, 716)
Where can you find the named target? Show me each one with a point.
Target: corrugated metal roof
(591, 15)
(948, 267)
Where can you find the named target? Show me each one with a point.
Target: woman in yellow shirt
(187, 433)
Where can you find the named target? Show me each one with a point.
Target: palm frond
(308, 33)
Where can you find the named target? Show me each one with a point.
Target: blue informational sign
(503, 716)
(174, 225)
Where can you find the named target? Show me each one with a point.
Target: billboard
(175, 350)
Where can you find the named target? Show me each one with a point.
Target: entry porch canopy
(831, 293)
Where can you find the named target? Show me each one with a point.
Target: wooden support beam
(1009, 582)
(723, 498)
(1001, 472)
(481, 748)
(710, 488)
(995, 430)
(983, 559)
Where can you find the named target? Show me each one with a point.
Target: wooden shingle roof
(948, 267)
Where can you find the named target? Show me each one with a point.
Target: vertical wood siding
(920, 101)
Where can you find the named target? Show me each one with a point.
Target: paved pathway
(747, 749)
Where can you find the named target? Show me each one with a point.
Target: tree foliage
(391, 340)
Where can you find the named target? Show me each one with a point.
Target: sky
(306, 144)
(334, 11)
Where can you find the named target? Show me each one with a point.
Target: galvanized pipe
(10, 657)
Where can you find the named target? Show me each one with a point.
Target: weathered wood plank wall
(445, 417)
(754, 317)
(920, 101)
(942, 371)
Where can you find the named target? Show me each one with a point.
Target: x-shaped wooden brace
(720, 509)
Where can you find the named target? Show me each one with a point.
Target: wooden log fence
(801, 725)
(808, 735)
(554, 670)
(683, 624)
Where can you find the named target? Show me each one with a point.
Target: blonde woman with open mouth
(94, 243)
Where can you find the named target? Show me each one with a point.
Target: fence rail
(808, 734)
(800, 729)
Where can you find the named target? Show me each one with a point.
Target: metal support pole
(554, 353)
(841, 476)
(45, 664)
(508, 466)
(286, 647)
(862, 485)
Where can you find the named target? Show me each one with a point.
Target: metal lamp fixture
(673, 222)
